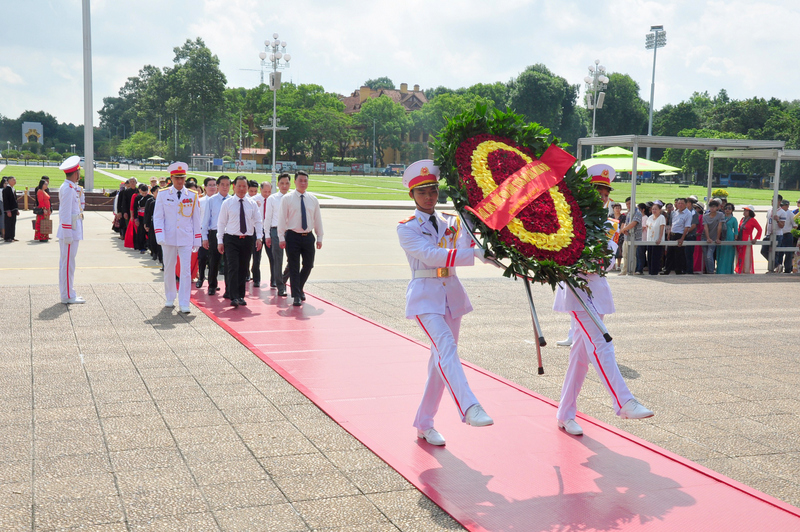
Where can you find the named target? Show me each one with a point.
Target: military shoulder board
(407, 219)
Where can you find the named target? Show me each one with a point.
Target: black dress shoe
(212, 291)
(273, 285)
(242, 302)
(281, 293)
(226, 296)
(303, 296)
(199, 283)
(234, 303)
(257, 284)
(297, 302)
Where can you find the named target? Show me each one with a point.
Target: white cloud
(9, 77)
(746, 47)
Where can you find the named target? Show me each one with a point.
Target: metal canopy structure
(779, 156)
(720, 148)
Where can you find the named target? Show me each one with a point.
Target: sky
(746, 47)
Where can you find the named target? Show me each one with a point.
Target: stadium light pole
(595, 81)
(655, 40)
(279, 59)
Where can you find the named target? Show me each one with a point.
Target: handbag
(38, 210)
(46, 226)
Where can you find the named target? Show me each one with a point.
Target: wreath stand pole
(592, 314)
(540, 341)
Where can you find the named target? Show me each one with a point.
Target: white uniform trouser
(589, 346)
(444, 369)
(171, 254)
(572, 326)
(66, 269)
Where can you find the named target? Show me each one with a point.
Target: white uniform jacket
(428, 249)
(70, 223)
(177, 221)
(601, 299)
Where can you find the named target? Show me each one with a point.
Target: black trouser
(641, 258)
(676, 257)
(155, 249)
(257, 262)
(214, 257)
(202, 262)
(785, 241)
(276, 263)
(140, 238)
(655, 259)
(299, 245)
(123, 226)
(11, 224)
(689, 253)
(237, 258)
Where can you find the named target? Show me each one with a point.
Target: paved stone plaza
(121, 415)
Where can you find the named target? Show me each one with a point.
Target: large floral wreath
(556, 237)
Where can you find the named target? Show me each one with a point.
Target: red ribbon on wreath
(522, 187)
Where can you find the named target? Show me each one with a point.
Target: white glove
(67, 239)
(194, 249)
(160, 242)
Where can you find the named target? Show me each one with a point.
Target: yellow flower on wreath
(483, 177)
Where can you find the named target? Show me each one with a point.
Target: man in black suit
(11, 209)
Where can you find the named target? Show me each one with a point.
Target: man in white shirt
(210, 186)
(271, 214)
(785, 217)
(299, 215)
(261, 201)
(240, 224)
(211, 239)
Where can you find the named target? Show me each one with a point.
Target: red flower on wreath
(549, 228)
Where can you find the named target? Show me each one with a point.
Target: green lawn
(29, 176)
(389, 188)
(338, 186)
(667, 193)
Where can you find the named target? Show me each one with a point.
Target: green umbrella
(621, 160)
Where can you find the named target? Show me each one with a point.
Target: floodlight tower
(596, 82)
(654, 41)
(278, 59)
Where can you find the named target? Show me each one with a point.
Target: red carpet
(522, 474)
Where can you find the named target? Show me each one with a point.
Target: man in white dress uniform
(176, 220)
(70, 228)
(435, 245)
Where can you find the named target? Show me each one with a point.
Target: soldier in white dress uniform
(176, 220)
(435, 245)
(70, 228)
(589, 347)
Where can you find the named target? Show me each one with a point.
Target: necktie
(303, 220)
(242, 221)
(433, 222)
(179, 194)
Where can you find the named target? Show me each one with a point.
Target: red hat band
(73, 169)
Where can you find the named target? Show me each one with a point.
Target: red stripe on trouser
(69, 250)
(439, 364)
(599, 365)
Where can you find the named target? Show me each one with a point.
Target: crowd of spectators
(687, 220)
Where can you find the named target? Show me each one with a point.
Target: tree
(496, 92)
(438, 110)
(380, 83)
(541, 96)
(142, 145)
(200, 84)
(624, 112)
(389, 120)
